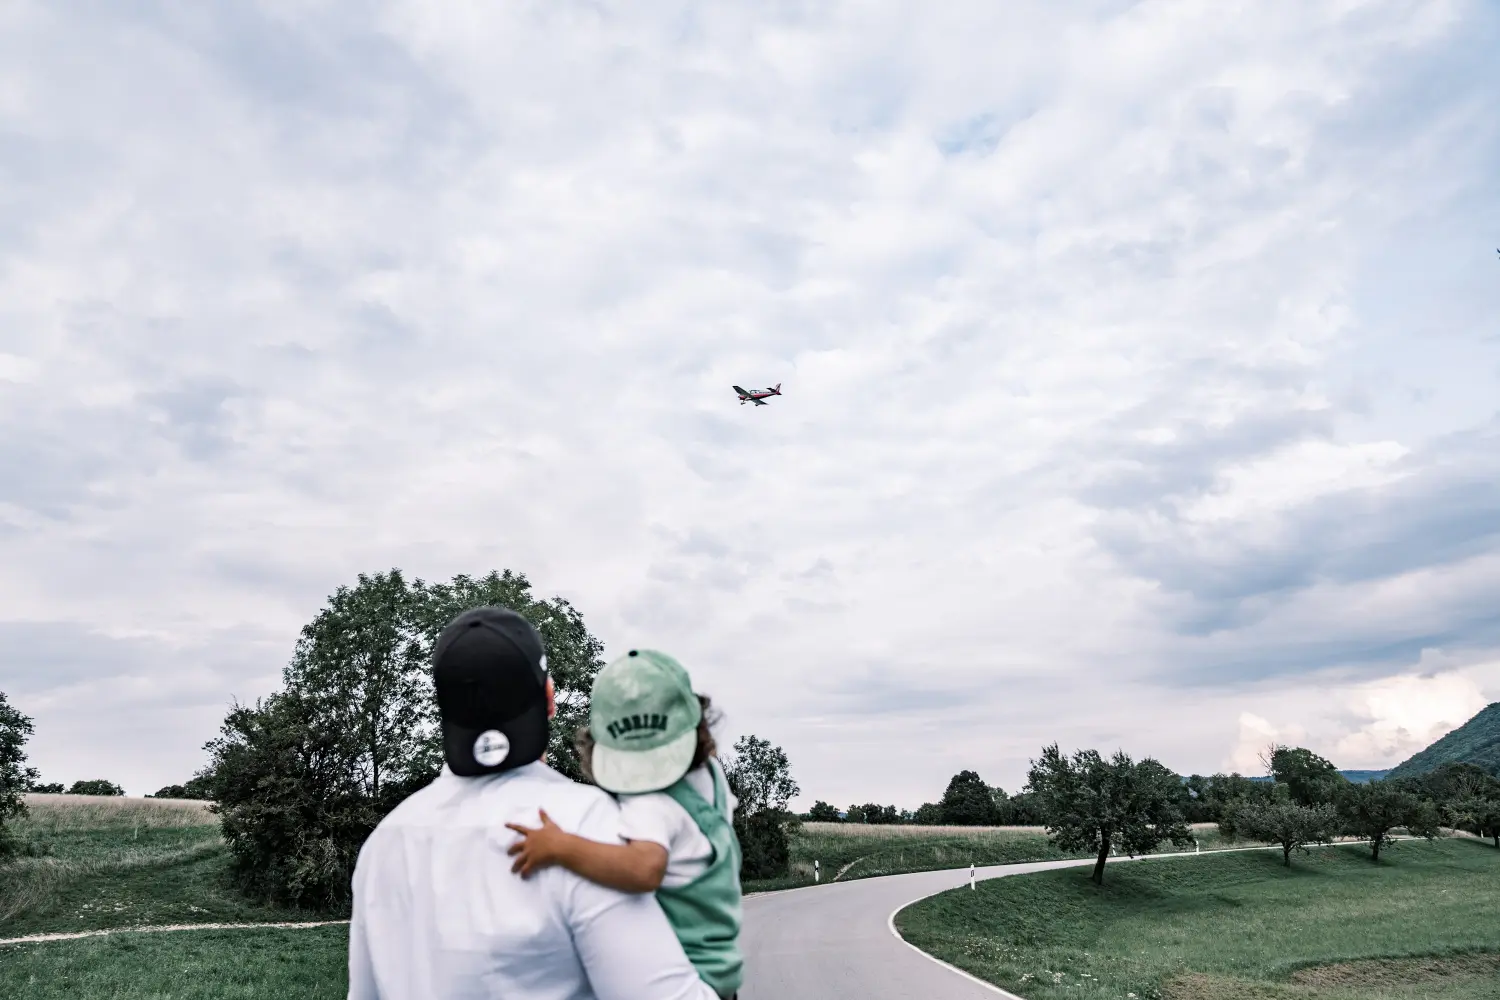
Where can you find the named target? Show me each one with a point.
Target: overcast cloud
(1141, 362)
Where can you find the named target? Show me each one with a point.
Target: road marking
(162, 928)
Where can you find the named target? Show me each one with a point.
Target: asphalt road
(835, 941)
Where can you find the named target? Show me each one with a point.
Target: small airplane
(757, 396)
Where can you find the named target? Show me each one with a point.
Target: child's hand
(538, 847)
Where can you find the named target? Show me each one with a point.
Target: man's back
(438, 915)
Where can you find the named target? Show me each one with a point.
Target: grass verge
(119, 862)
(1334, 926)
(183, 965)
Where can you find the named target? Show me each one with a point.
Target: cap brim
(635, 771)
(527, 733)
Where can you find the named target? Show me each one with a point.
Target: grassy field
(120, 862)
(195, 965)
(1332, 927)
(850, 851)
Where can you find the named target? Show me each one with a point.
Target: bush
(765, 845)
(97, 786)
(294, 814)
(50, 788)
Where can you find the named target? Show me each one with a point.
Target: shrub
(765, 845)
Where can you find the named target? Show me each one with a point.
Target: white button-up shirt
(438, 915)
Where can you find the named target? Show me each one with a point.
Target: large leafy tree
(1098, 805)
(15, 776)
(302, 777)
(1310, 779)
(361, 668)
(968, 801)
(574, 655)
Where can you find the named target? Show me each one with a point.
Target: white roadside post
(971, 875)
(1197, 847)
(815, 872)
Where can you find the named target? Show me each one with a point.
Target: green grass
(860, 851)
(117, 862)
(306, 964)
(1332, 927)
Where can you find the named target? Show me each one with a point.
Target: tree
(928, 814)
(760, 776)
(1283, 822)
(968, 801)
(1096, 805)
(822, 812)
(48, 788)
(97, 786)
(356, 727)
(293, 803)
(574, 655)
(1371, 811)
(15, 776)
(199, 786)
(1310, 779)
(361, 667)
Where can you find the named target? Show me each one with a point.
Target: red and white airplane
(757, 396)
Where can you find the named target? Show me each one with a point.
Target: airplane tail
(777, 390)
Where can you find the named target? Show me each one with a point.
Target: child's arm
(635, 866)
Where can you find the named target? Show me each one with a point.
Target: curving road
(834, 941)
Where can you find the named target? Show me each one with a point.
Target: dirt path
(74, 935)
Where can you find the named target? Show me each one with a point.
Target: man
(438, 915)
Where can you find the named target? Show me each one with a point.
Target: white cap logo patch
(491, 748)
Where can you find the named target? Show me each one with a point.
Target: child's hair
(583, 741)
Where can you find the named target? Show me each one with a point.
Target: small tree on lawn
(1092, 804)
(1282, 822)
(1371, 811)
(15, 776)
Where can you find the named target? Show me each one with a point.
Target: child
(648, 741)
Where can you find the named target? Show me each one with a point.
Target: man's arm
(629, 951)
(635, 866)
(626, 945)
(361, 968)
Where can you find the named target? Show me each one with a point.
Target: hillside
(1475, 742)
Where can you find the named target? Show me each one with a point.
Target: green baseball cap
(644, 718)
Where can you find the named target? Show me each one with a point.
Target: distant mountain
(1475, 742)
(1354, 777)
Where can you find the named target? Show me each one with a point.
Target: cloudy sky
(1141, 362)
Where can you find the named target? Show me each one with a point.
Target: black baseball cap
(489, 670)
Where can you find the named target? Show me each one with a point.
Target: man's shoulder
(507, 797)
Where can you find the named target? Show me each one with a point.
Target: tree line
(1092, 804)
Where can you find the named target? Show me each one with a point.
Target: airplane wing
(760, 402)
(742, 392)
